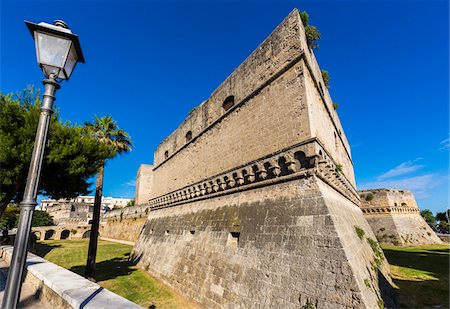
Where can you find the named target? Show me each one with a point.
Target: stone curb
(77, 291)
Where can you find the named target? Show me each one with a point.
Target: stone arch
(49, 234)
(38, 234)
(65, 234)
(86, 234)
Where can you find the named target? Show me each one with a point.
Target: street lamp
(58, 51)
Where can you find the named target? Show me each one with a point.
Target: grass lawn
(421, 275)
(114, 272)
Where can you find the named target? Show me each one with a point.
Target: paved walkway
(27, 299)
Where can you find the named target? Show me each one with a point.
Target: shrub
(311, 32)
(335, 105)
(326, 78)
(338, 168)
(369, 197)
(360, 232)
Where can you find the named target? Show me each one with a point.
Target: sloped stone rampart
(279, 247)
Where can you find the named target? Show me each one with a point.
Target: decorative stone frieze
(292, 163)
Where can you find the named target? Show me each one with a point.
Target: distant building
(79, 208)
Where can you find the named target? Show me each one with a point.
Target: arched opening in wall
(65, 234)
(188, 136)
(86, 234)
(37, 234)
(233, 240)
(228, 103)
(49, 234)
(166, 154)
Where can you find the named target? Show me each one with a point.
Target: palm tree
(117, 141)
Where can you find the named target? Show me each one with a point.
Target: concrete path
(27, 299)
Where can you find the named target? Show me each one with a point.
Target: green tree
(130, 203)
(42, 218)
(10, 217)
(106, 131)
(429, 218)
(443, 222)
(71, 157)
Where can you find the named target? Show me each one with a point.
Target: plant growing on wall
(326, 78)
(311, 32)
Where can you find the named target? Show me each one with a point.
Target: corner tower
(253, 200)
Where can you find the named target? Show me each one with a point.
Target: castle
(395, 218)
(252, 200)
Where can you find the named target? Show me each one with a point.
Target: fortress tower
(252, 198)
(395, 218)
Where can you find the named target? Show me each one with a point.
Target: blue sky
(148, 63)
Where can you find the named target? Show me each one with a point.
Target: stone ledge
(70, 288)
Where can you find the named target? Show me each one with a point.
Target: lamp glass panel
(71, 60)
(51, 50)
(48, 70)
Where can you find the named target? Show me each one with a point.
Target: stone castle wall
(125, 223)
(395, 217)
(253, 125)
(253, 200)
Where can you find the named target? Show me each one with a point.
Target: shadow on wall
(87, 234)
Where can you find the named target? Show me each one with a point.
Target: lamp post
(58, 51)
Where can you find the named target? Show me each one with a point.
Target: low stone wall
(125, 223)
(57, 287)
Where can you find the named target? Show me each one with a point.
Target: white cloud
(445, 144)
(419, 185)
(402, 169)
(131, 183)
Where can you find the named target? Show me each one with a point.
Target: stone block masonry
(395, 218)
(252, 199)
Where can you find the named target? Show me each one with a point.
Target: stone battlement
(388, 200)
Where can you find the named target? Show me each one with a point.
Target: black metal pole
(14, 281)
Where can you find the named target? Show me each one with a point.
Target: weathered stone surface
(253, 201)
(286, 245)
(395, 218)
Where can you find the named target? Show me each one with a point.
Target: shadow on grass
(108, 269)
(417, 292)
(41, 248)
